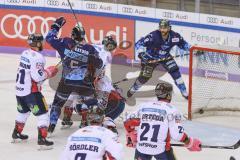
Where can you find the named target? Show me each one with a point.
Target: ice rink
(211, 130)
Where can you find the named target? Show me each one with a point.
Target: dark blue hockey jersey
(75, 56)
(156, 48)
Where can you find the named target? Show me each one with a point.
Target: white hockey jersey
(30, 72)
(92, 143)
(158, 122)
(105, 56)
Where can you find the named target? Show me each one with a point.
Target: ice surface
(211, 130)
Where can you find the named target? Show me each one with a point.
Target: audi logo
(53, 2)
(212, 20)
(19, 26)
(13, 1)
(91, 6)
(127, 10)
(168, 14)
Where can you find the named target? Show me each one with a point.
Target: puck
(201, 111)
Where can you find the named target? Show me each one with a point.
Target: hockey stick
(235, 146)
(94, 89)
(123, 80)
(74, 13)
(171, 57)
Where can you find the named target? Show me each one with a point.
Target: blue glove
(59, 22)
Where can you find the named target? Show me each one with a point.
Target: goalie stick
(235, 146)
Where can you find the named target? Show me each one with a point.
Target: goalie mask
(36, 40)
(109, 43)
(95, 114)
(164, 91)
(78, 33)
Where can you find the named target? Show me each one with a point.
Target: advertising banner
(16, 25)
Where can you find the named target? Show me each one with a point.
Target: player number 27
(146, 128)
(80, 156)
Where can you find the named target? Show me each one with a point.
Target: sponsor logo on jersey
(25, 59)
(149, 117)
(23, 65)
(175, 39)
(147, 145)
(19, 88)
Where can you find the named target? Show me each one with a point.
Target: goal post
(214, 81)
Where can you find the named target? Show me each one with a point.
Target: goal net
(214, 81)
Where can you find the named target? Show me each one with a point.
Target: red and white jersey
(104, 84)
(106, 58)
(92, 142)
(159, 121)
(30, 72)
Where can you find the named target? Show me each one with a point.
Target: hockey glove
(194, 145)
(51, 71)
(131, 139)
(59, 22)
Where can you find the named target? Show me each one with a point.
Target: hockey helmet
(109, 43)
(164, 23)
(35, 40)
(78, 33)
(164, 90)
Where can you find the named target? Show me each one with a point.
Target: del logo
(175, 40)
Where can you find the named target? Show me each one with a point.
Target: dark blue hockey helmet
(109, 43)
(78, 33)
(164, 23)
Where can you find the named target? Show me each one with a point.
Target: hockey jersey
(155, 47)
(106, 58)
(75, 56)
(30, 74)
(159, 121)
(92, 142)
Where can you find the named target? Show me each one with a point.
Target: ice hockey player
(158, 121)
(79, 61)
(94, 141)
(30, 76)
(153, 50)
(106, 93)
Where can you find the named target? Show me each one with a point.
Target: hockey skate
(43, 143)
(183, 90)
(130, 93)
(110, 124)
(18, 137)
(51, 129)
(66, 123)
(83, 124)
